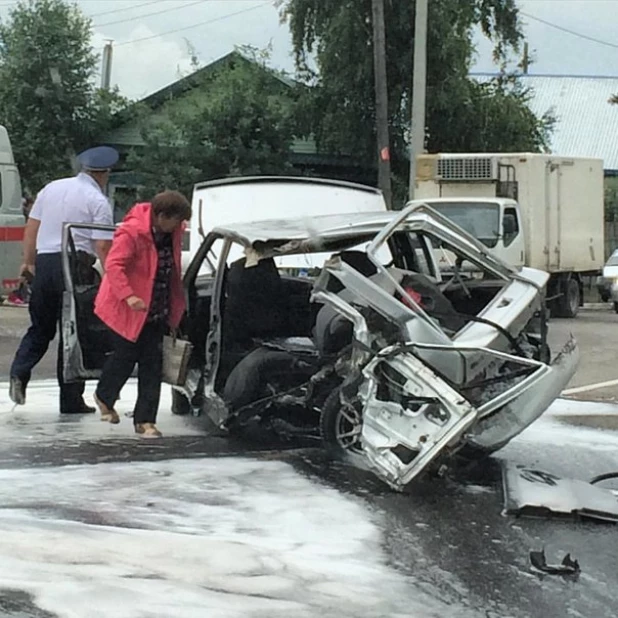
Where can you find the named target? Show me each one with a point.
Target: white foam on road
(575, 407)
(214, 537)
(551, 429)
(38, 418)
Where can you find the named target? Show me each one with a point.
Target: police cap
(98, 159)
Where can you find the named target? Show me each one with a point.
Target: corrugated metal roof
(587, 125)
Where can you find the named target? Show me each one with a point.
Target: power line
(568, 31)
(203, 23)
(172, 8)
(128, 8)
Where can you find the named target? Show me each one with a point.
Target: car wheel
(604, 298)
(616, 307)
(340, 426)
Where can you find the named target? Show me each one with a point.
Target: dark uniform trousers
(45, 312)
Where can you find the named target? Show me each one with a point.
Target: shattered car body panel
(427, 406)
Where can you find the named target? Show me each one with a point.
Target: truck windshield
(480, 219)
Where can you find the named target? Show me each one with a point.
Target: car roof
(306, 228)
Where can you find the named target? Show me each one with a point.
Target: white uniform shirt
(71, 200)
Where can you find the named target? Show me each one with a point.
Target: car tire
(616, 307)
(567, 306)
(330, 425)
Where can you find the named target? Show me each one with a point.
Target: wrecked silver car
(410, 346)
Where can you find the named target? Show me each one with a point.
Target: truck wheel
(567, 305)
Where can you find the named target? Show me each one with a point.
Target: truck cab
(11, 217)
(495, 222)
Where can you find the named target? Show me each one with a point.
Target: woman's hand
(136, 303)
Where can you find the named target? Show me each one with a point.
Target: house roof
(185, 84)
(587, 125)
(126, 130)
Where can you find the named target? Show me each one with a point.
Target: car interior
(261, 305)
(263, 308)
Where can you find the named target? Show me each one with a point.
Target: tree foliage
(462, 114)
(48, 99)
(236, 120)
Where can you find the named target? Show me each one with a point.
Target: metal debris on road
(568, 566)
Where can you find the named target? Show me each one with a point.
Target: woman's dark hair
(172, 205)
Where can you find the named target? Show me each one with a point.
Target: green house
(126, 135)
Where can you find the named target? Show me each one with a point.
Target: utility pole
(381, 95)
(106, 69)
(525, 63)
(419, 86)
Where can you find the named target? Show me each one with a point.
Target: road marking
(589, 387)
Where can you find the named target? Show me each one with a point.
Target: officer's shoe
(80, 408)
(147, 430)
(17, 391)
(108, 415)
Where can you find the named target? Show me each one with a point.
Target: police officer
(79, 199)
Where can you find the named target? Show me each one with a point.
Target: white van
(258, 198)
(12, 221)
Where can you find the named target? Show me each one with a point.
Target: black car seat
(256, 305)
(431, 299)
(247, 380)
(332, 331)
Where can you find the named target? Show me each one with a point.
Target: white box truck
(535, 210)
(12, 221)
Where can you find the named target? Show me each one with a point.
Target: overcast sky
(152, 38)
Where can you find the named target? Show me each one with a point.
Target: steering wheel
(457, 275)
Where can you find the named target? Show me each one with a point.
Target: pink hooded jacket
(130, 270)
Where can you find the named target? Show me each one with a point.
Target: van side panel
(11, 218)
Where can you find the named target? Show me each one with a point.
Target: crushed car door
(85, 339)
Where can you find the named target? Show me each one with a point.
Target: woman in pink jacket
(141, 296)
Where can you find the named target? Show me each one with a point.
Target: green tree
(236, 120)
(48, 99)
(462, 114)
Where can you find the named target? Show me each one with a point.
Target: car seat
(256, 306)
